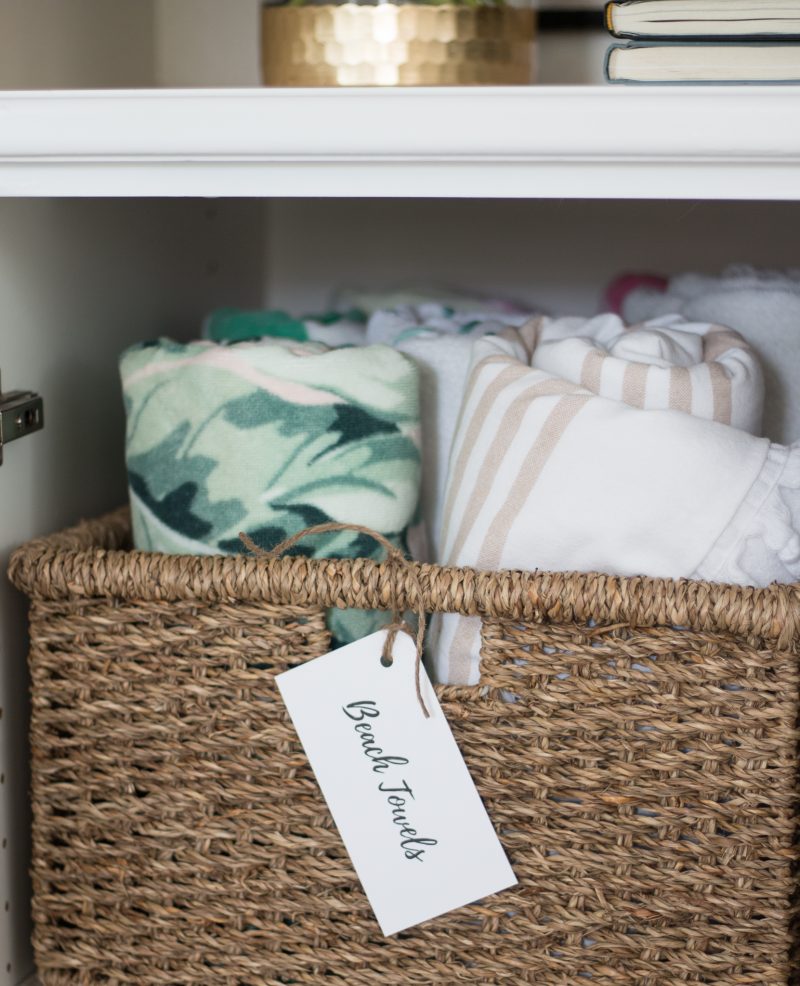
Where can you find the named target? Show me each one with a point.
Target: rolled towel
(270, 438)
(707, 370)
(439, 340)
(545, 474)
(764, 306)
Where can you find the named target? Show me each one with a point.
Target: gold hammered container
(403, 44)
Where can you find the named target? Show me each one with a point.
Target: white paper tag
(396, 784)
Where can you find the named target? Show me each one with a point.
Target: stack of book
(718, 41)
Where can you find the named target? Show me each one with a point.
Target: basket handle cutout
(395, 559)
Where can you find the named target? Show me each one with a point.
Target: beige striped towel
(706, 370)
(764, 306)
(545, 474)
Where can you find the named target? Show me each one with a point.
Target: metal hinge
(21, 413)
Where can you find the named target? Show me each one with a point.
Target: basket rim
(89, 560)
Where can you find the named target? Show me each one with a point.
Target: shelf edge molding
(536, 142)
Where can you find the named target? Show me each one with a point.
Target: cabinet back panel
(556, 254)
(76, 44)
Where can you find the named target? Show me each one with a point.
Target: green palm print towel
(271, 437)
(332, 327)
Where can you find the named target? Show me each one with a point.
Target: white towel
(442, 298)
(765, 307)
(544, 474)
(439, 340)
(704, 369)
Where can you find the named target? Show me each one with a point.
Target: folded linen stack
(270, 438)
(625, 462)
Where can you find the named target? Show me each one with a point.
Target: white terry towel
(765, 307)
(546, 475)
(706, 370)
(442, 299)
(439, 340)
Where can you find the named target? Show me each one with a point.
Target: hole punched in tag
(394, 559)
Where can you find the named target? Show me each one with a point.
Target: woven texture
(642, 778)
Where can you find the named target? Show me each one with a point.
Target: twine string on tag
(395, 560)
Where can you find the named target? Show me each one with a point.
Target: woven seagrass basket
(643, 782)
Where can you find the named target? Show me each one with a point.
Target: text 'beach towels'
(613, 469)
(270, 438)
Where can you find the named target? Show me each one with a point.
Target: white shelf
(546, 142)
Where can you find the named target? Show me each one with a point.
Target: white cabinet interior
(558, 254)
(80, 279)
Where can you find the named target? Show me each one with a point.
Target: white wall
(572, 57)
(76, 44)
(559, 255)
(207, 43)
